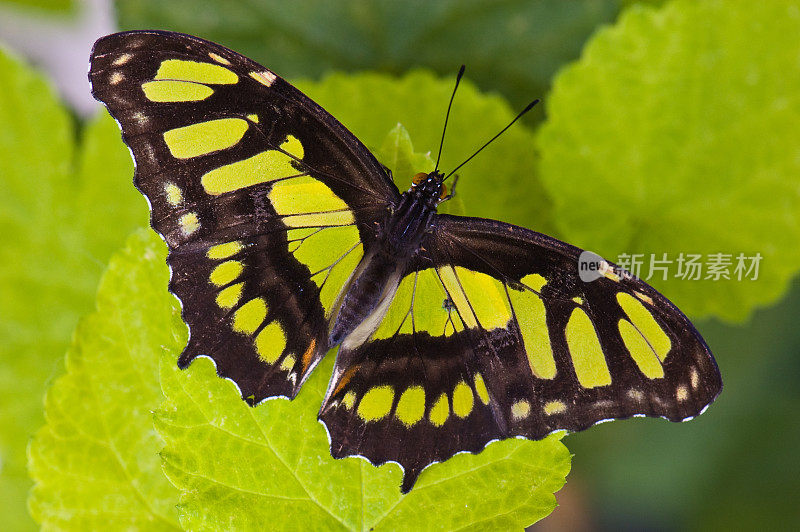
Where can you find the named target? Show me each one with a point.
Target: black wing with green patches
(546, 350)
(268, 204)
(652, 360)
(229, 154)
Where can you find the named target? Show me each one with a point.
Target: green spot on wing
(376, 403)
(646, 324)
(411, 406)
(201, 138)
(175, 91)
(179, 69)
(463, 400)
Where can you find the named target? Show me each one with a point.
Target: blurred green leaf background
(668, 127)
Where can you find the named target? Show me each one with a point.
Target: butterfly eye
(444, 191)
(419, 178)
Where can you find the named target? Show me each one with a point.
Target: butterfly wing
(265, 201)
(494, 335)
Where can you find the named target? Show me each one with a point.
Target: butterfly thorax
(408, 222)
(365, 299)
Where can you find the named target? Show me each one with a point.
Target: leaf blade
(95, 461)
(684, 163)
(343, 493)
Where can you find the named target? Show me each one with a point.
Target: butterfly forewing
(263, 198)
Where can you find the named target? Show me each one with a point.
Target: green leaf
(512, 46)
(677, 132)
(492, 184)
(245, 466)
(26, 101)
(54, 7)
(96, 462)
(64, 207)
(652, 3)
(108, 444)
(397, 152)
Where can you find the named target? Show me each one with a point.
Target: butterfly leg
(452, 193)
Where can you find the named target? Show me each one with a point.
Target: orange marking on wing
(348, 375)
(309, 353)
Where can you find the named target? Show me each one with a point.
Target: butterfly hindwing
(413, 393)
(531, 349)
(264, 199)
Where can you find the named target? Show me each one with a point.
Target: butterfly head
(429, 185)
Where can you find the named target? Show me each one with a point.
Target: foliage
(96, 460)
(65, 206)
(220, 453)
(684, 121)
(50, 7)
(397, 152)
(675, 131)
(312, 37)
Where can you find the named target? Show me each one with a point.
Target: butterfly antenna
(527, 108)
(449, 105)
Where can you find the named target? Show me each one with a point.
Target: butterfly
(288, 238)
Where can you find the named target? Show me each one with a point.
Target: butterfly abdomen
(366, 299)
